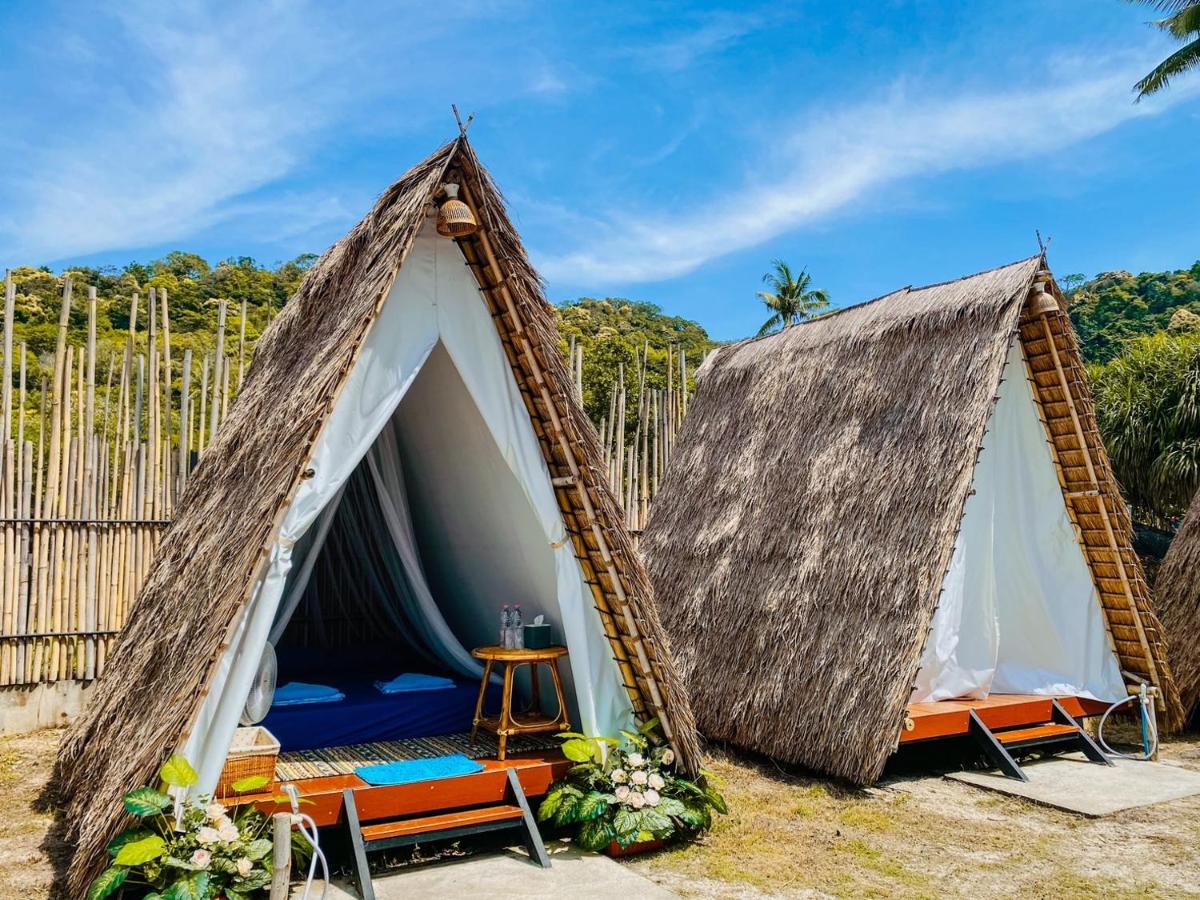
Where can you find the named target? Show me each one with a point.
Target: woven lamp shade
(455, 218)
(1042, 302)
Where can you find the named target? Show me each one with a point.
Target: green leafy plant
(626, 790)
(183, 849)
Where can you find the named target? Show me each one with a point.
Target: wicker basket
(253, 752)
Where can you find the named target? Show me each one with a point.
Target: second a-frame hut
(1177, 596)
(406, 456)
(882, 523)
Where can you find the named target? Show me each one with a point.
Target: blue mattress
(368, 715)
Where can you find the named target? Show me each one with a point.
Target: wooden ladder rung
(1035, 733)
(467, 818)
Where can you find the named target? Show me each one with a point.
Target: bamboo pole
(8, 549)
(218, 359)
(185, 420)
(89, 507)
(242, 348)
(203, 403)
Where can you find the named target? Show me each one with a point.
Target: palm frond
(1186, 57)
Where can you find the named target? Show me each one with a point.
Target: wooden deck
(424, 798)
(949, 718)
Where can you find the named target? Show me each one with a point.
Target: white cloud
(217, 114)
(214, 104)
(833, 160)
(681, 50)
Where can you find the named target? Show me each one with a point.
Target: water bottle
(518, 633)
(505, 628)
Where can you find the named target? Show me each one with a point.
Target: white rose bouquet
(625, 791)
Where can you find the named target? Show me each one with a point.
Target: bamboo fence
(88, 480)
(637, 462)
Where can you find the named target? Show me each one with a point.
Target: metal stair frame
(362, 871)
(997, 753)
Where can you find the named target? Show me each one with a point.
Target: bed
(367, 714)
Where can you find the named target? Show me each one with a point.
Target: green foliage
(178, 772)
(789, 299)
(146, 802)
(627, 791)
(193, 287)
(1115, 307)
(1183, 24)
(613, 332)
(107, 883)
(135, 853)
(1148, 410)
(209, 852)
(250, 784)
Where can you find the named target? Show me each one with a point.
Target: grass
(789, 834)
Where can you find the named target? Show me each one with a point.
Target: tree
(1148, 411)
(1183, 23)
(789, 298)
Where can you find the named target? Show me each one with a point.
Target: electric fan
(262, 691)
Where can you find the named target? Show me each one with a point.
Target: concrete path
(1073, 784)
(580, 876)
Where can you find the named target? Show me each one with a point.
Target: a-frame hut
(892, 506)
(408, 445)
(1177, 597)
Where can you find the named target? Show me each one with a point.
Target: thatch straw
(230, 511)
(1177, 590)
(800, 539)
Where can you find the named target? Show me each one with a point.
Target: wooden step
(467, 818)
(1036, 734)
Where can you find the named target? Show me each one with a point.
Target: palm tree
(789, 298)
(1183, 22)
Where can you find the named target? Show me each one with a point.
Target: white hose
(1149, 729)
(308, 828)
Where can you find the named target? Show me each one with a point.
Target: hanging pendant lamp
(455, 218)
(1042, 301)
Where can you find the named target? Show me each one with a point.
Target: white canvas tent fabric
(434, 300)
(1018, 613)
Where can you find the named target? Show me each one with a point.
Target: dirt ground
(792, 835)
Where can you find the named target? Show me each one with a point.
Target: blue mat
(412, 770)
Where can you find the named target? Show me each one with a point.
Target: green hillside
(1113, 307)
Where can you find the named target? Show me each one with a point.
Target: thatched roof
(228, 517)
(1177, 590)
(807, 519)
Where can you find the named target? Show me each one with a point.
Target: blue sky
(665, 152)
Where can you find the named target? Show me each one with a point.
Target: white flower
(619, 776)
(244, 867)
(216, 812)
(668, 756)
(652, 797)
(201, 858)
(207, 835)
(622, 793)
(638, 777)
(636, 800)
(636, 759)
(228, 832)
(656, 781)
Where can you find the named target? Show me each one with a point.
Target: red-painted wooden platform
(950, 718)
(489, 787)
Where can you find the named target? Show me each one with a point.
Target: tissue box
(537, 637)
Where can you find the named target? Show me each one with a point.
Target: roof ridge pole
(1081, 437)
(580, 486)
